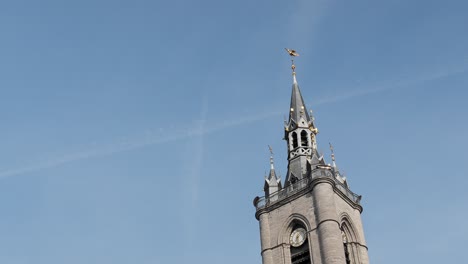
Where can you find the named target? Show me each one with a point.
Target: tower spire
(297, 109)
(300, 132)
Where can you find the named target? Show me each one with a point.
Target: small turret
(335, 169)
(272, 182)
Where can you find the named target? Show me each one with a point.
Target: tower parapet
(305, 185)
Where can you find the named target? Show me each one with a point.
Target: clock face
(298, 236)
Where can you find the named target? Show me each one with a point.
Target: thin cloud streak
(136, 143)
(394, 86)
(201, 130)
(193, 171)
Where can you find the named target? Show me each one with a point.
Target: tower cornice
(318, 176)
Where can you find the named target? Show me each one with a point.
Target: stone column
(265, 239)
(330, 240)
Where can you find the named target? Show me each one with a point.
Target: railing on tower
(262, 202)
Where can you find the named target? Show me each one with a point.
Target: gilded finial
(293, 54)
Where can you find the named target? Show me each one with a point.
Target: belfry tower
(314, 217)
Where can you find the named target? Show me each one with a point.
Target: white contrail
(135, 143)
(393, 86)
(199, 130)
(96, 152)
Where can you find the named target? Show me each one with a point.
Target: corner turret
(272, 181)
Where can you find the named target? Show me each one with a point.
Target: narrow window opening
(345, 246)
(294, 139)
(304, 138)
(346, 252)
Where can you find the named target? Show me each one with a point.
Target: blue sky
(137, 131)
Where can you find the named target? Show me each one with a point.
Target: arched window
(294, 139)
(349, 239)
(304, 138)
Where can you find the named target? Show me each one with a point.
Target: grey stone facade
(315, 197)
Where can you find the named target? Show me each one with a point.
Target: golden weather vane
(293, 54)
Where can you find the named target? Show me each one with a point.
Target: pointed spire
(297, 108)
(272, 174)
(338, 174)
(333, 156)
(272, 182)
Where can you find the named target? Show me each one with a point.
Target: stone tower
(315, 218)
